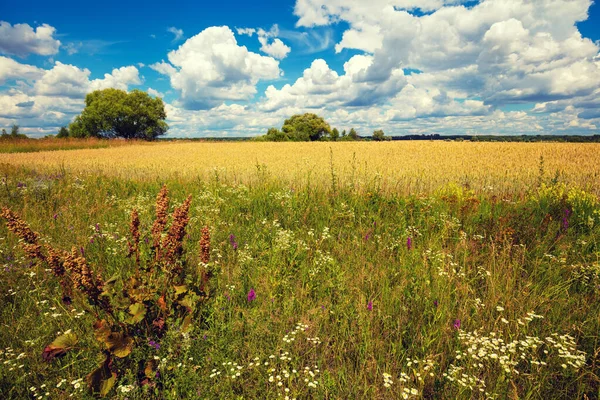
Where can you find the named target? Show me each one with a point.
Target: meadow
(437, 270)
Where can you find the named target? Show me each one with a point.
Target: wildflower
(435, 303)
(55, 216)
(456, 324)
(233, 242)
(152, 343)
(409, 243)
(251, 295)
(370, 305)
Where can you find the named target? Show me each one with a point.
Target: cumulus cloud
(178, 33)
(276, 48)
(42, 100)
(65, 80)
(211, 68)
(155, 93)
(22, 39)
(496, 51)
(12, 70)
(320, 86)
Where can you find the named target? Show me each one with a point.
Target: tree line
(311, 127)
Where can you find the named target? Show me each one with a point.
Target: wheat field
(405, 167)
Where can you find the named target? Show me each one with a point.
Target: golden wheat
(413, 166)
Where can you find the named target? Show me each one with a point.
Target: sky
(236, 68)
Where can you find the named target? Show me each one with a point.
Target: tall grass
(53, 144)
(326, 291)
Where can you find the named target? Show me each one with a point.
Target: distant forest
(454, 138)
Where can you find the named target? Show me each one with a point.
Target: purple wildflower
(152, 343)
(435, 303)
(409, 243)
(251, 295)
(367, 236)
(55, 216)
(233, 242)
(97, 227)
(456, 324)
(370, 305)
(565, 220)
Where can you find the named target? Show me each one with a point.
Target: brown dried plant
(172, 244)
(205, 245)
(162, 205)
(17, 226)
(134, 230)
(205, 258)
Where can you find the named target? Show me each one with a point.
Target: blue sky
(236, 68)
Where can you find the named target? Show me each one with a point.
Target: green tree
(379, 135)
(305, 127)
(14, 131)
(112, 113)
(353, 135)
(335, 134)
(275, 135)
(63, 132)
(344, 133)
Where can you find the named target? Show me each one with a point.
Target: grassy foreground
(334, 291)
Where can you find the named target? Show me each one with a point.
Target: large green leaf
(59, 346)
(137, 311)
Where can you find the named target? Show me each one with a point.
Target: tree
(335, 134)
(344, 133)
(305, 127)
(353, 135)
(14, 131)
(112, 113)
(63, 132)
(275, 135)
(379, 135)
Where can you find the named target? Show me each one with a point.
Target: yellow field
(400, 166)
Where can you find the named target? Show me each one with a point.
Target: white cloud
(211, 67)
(177, 32)
(276, 48)
(11, 70)
(119, 78)
(155, 93)
(245, 31)
(65, 80)
(499, 51)
(22, 39)
(321, 86)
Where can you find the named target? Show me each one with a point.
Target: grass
(53, 144)
(362, 289)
